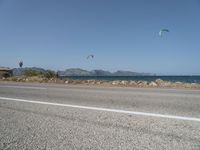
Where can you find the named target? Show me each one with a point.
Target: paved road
(42, 116)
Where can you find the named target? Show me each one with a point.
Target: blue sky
(122, 34)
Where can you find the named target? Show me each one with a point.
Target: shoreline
(158, 83)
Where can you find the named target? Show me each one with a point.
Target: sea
(186, 79)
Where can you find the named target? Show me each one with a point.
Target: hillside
(81, 72)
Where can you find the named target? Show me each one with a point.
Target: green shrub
(30, 73)
(49, 74)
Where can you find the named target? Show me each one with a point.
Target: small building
(5, 72)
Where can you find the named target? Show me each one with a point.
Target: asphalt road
(43, 116)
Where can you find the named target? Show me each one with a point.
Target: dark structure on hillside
(5, 72)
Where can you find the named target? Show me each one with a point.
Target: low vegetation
(4, 74)
(31, 75)
(47, 74)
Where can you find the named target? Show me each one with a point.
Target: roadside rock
(153, 84)
(178, 83)
(133, 83)
(166, 84)
(124, 82)
(140, 83)
(115, 82)
(159, 81)
(194, 85)
(98, 82)
(91, 81)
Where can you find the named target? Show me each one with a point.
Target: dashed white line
(105, 109)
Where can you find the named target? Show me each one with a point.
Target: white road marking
(105, 109)
(23, 87)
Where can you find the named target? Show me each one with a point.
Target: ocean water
(187, 79)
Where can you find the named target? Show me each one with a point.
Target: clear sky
(122, 34)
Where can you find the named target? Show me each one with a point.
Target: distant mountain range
(80, 72)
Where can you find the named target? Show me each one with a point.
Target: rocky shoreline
(118, 83)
